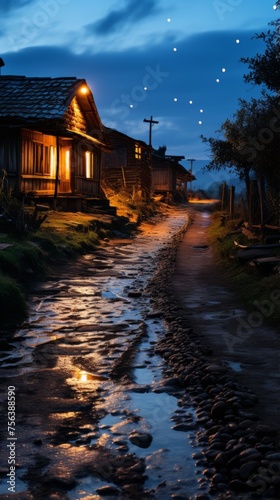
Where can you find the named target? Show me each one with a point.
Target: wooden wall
(10, 159)
(122, 170)
(74, 118)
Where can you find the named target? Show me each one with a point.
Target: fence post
(223, 197)
(231, 201)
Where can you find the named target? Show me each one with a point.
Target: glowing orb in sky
(175, 99)
(223, 70)
(218, 80)
(200, 122)
(190, 102)
(237, 41)
(201, 110)
(168, 20)
(175, 49)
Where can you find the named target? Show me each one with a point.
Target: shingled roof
(32, 99)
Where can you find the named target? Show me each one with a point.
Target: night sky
(176, 61)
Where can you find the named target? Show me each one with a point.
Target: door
(65, 170)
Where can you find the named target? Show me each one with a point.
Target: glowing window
(67, 165)
(89, 158)
(52, 161)
(138, 152)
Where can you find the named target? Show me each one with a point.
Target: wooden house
(51, 139)
(169, 176)
(127, 168)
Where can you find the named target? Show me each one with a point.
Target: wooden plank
(244, 255)
(249, 234)
(267, 260)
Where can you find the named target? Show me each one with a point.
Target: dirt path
(237, 338)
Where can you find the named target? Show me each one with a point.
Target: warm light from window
(67, 165)
(89, 159)
(137, 152)
(52, 160)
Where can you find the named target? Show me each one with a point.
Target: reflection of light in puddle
(20, 485)
(111, 296)
(65, 415)
(222, 315)
(83, 376)
(234, 365)
(87, 489)
(212, 303)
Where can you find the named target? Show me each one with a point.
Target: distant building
(127, 167)
(169, 176)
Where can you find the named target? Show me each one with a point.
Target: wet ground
(99, 414)
(96, 411)
(239, 339)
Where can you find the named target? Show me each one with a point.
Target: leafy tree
(265, 68)
(251, 142)
(230, 152)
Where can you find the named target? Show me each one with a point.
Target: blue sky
(144, 58)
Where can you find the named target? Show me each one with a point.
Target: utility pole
(191, 160)
(151, 122)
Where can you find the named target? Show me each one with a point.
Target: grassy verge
(259, 290)
(62, 236)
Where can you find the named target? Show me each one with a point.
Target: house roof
(31, 99)
(118, 139)
(159, 161)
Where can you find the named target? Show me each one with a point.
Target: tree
(251, 142)
(265, 68)
(230, 152)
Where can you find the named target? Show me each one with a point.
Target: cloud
(118, 80)
(133, 12)
(6, 6)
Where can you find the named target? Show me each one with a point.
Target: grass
(62, 236)
(259, 290)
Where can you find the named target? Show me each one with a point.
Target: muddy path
(96, 412)
(239, 338)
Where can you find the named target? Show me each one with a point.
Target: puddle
(222, 315)
(93, 324)
(234, 365)
(20, 486)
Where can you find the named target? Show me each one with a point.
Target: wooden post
(253, 202)
(151, 122)
(123, 175)
(56, 174)
(231, 201)
(223, 197)
(263, 215)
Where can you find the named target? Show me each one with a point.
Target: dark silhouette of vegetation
(14, 215)
(251, 145)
